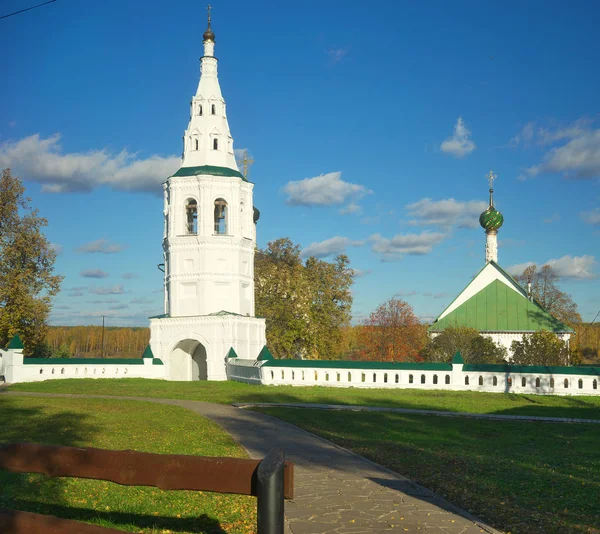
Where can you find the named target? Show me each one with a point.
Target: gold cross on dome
(491, 177)
(209, 6)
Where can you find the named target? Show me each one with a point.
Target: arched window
(327, 377)
(349, 377)
(293, 375)
(302, 375)
(422, 379)
(374, 377)
(435, 379)
(410, 379)
(595, 384)
(397, 378)
(481, 380)
(580, 383)
(523, 382)
(537, 382)
(338, 377)
(316, 376)
(447, 379)
(220, 217)
(363, 377)
(495, 381)
(213, 109)
(466, 380)
(215, 144)
(566, 383)
(62, 371)
(200, 110)
(385, 378)
(552, 382)
(282, 375)
(191, 216)
(196, 143)
(272, 375)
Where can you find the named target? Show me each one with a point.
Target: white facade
(208, 245)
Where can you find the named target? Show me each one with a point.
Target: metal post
(270, 493)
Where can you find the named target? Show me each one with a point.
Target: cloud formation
(100, 246)
(114, 290)
(446, 213)
(94, 273)
(573, 150)
(43, 161)
(459, 144)
(336, 55)
(591, 217)
(568, 267)
(414, 244)
(323, 190)
(334, 245)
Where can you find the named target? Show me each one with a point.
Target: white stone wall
(15, 370)
(454, 380)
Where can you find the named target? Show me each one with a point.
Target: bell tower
(209, 230)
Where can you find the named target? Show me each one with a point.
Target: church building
(494, 302)
(208, 246)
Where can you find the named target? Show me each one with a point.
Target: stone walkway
(336, 491)
(356, 408)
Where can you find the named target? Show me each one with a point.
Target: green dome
(491, 219)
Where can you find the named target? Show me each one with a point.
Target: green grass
(522, 478)
(112, 424)
(230, 392)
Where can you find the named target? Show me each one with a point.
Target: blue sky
(372, 128)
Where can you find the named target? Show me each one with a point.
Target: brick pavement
(336, 491)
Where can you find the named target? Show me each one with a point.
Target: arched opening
(200, 110)
(189, 361)
(466, 380)
(410, 379)
(213, 110)
(435, 379)
(447, 379)
(523, 382)
(196, 143)
(191, 216)
(215, 144)
(537, 382)
(422, 379)
(220, 216)
(480, 380)
(495, 381)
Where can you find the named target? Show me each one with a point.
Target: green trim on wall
(369, 366)
(211, 170)
(15, 343)
(457, 358)
(265, 354)
(83, 361)
(157, 361)
(531, 369)
(231, 353)
(147, 352)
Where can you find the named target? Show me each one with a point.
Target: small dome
(209, 34)
(491, 219)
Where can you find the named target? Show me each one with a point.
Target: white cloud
(43, 161)
(114, 290)
(525, 136)
(459, 144)
(574, 267)
(323, 190)
(94, 273)
(336, 55)
(102, 246)
(446, 213)
(591, 217)
(351, 209)
(359, 273)
(334, 245)
(415, 244)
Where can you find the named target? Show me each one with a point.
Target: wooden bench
(270, 480)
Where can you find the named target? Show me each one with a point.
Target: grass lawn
(522, 478)
(112, 424)
(230, 392)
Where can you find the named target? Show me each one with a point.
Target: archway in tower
(189, 361)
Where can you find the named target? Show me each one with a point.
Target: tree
(473, 347)
(306, 304)
(27, 284)
(545, 291)
(391, 333)
(540, 348)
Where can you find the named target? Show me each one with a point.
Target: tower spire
(491, 220)
(209, 34)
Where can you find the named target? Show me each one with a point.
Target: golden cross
(209, 6)
(246, 162)
(491, 177)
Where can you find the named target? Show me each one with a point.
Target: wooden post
(269, 493)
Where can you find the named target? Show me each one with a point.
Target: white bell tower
(208, 244)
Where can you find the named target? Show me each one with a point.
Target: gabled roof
(15, 343)
(499, 308)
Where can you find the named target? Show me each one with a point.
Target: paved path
(356, 408)
(336, 491)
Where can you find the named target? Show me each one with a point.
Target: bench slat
(132, 468)
(17, 522)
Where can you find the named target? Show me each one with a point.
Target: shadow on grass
(26, 420)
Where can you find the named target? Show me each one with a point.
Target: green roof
(231, 353)
(347, 364)
(498, 308)
(15, 343)
(265, 354)
(148, 352)
(533, 369)
(457, 358)
(83, 361)
(209, 170)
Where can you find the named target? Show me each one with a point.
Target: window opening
(213, 109)
(537, 382)
(580, 383)
(466, 380)
(215, 144)
(410, 379)
(447, 379)
(481, 380)
(196, 141)
(200, 110)
(191, 215)
(495, 381)
(435, 379)
(422, 379)
(220, 217)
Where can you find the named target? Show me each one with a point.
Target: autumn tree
(391, 333)
(545, 291)
(306, 304)
(473, 347)
(540, 348)
(27, 282)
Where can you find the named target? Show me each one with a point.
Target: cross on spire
(208, 8)
(491, 177)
